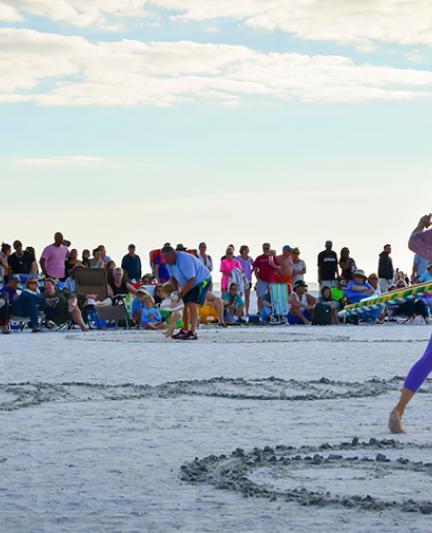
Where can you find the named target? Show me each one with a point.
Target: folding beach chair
(279, 294)
(95, 282)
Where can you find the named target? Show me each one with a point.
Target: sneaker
(190, 336)
(180, 334)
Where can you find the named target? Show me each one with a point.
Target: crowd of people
(180, 280)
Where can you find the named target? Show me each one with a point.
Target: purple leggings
(420, 371)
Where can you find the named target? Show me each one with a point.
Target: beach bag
(323, 315)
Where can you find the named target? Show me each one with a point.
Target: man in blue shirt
(131, 264)
(358, 289)
(193, 279)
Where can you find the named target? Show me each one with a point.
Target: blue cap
(287, 248)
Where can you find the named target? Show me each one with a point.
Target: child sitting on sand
(150, 315)
(172, 306)
(138, 305)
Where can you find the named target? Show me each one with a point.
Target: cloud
(56, 161)
(8, 13)
(343, 21)
(60, 70)
(105, 14)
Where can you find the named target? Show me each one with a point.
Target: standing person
(194, 280)
(247, 266)
(53, 259)
(285, 260)
(4, 265)
(347, 264)
(85, 258)
(204, 257)
(105, 257)
(159, 266)
(421, 243)
(72, 261)
(327, 266)
(227, 266)
(420, 266)
(265, 268)
(299, 266)
(21, 261)
(385, 269)
(131, 264)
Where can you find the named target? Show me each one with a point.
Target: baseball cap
(15, 277)
(287, 248)
(300, 283)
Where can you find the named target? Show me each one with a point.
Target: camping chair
(95, 282)
(279, 294)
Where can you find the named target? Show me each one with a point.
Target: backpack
(323, 315)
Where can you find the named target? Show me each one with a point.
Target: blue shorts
(198, 294)
(294, 320)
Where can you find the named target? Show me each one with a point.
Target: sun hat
(359, 272)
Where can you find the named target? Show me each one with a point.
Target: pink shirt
(228, 265)
(55, 257)
(421, 243)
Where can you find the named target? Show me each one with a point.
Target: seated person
(233, 304)
(150, 315)
(373, 281)
(158, 296)
(118, 284)
(138, 305)
(60, 305)
(358, 288)
(338, 293)
(302, 305)
(217, 303)
(412, 308)
(8, 295)
(326, 298)
(97, 260)
(28, 303)
(148, 279)
(172, 307)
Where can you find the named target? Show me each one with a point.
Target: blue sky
(122, 123)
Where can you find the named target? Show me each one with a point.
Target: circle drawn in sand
(15, 396)
(322, 475)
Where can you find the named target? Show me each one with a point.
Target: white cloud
(58, 70)
(8, 13)
(55, 161)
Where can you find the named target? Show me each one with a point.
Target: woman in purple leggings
(421, 243)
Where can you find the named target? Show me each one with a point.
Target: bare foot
(395, 422)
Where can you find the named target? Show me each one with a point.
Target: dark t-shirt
(21, 264)
(327, 263)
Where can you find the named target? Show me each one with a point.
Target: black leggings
(413, 308)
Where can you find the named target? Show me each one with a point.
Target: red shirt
(265, 271)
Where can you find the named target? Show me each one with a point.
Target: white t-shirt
(298, 267)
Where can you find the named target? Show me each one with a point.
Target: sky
(289, 121)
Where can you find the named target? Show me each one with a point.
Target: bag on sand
(323, 315)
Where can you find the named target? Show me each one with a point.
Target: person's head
(97, 254)
(141, 293)
(266, 248)
(359, 276)
(32, 284)
(85, 254)
(233, 289)
(167, 289)
(31, 250)
(18, 247)
(244, 250)
(158, 289)
(148, 301)
(147, 279)
(73, 255)
(181, 247)
(229, 253)
(373, 280)
(295, 255)
(75, 269)
(287, 250)
(110, 265)
(344, 254)
(387, 249)
(328, 245)
(14, 281)
(169, 255)
(401, 284)
(118, 273)
(6, 248)
(202, 247)
(58, 238)
(326, 293)
(300, 287)
(50, 286)
(131, 249)
(103, 250)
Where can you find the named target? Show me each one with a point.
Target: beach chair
(279, 294)
(95, 282)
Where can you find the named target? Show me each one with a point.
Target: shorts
(262, 288)
(295, 320)
(198, 294)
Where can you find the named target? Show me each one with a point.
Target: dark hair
(326, 288)
(5, 247)
(344, 253)
(243, 247)
(167, 250)
(17, 243)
